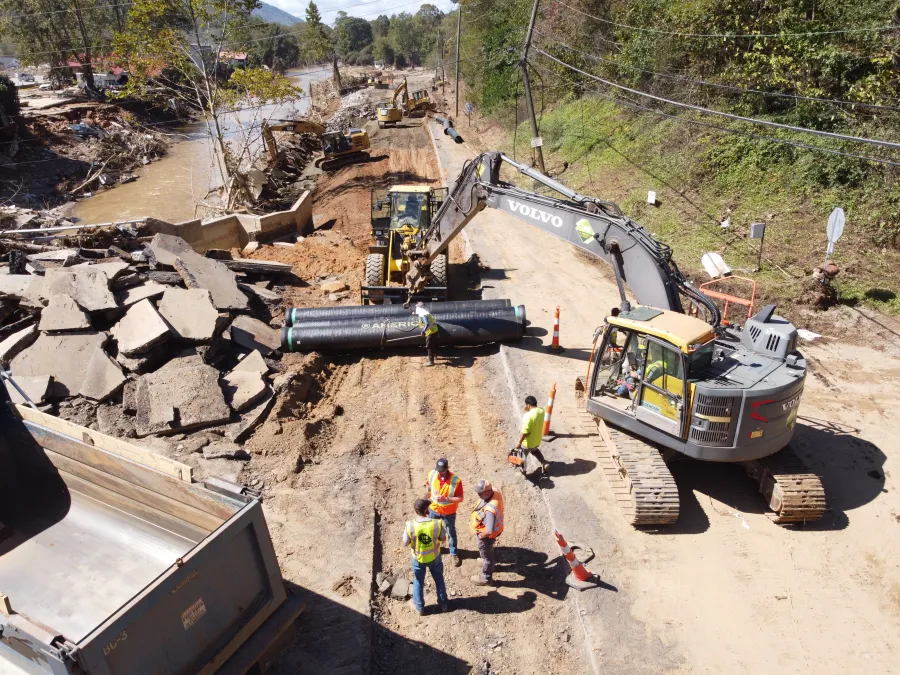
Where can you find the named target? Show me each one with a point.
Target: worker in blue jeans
(424, 536)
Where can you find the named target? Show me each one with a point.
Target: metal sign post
(835, 229)
(758, 231)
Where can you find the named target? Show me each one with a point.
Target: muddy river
(170, 188)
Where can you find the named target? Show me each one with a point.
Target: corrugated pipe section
(466, 327)
(448, 128)
(298, 315)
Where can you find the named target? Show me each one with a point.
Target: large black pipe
(472, 327)
(450, 131)
(297, 315)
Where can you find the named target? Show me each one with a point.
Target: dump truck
(114, 561)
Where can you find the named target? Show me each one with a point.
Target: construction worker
(424, 536)
(429, 329)
(445, 490)
(532, 432)
(487, 523)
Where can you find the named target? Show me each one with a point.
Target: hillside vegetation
(709, 171)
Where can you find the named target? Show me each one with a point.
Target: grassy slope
(703, 176)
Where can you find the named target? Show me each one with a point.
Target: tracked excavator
(388, 114)
(661, 381)
(339, 148)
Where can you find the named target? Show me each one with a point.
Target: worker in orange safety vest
(445, 490)
(487, 524)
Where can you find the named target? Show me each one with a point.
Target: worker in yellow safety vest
(424, 536)
(445, 490)
(487, 524)
(429, 329)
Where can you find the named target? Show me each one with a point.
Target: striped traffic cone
(554, 345)
(580, 579)
(548, 413)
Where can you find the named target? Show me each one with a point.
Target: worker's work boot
(455, 560)
(478, 580)
(429, 361)
(412, 606)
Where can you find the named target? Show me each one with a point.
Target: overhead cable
(729, 87)
(874, 29)
(770, 139)
(710, 111)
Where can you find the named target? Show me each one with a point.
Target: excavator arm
(398, 92)
(593, 225)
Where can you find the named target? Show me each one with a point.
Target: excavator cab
(400, 217)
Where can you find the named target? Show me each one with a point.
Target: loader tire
(375, 273)
(439, 270)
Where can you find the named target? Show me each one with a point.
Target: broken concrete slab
(225, 450)
(243, 389)
(36, 388)
(149, 290)
(168, 278)
(200, 272)
(267, 296)
(86, 286)
(17, 343)
(257, 266)
(253, 363)
(250, 248)
(148, 361)
(62, 313)
(102, 377)
(165, 248)
(254, 334)
(400, 590)
(129, 399)
(140, 329)
(62, 255)
(111, 269)
(43, 358)
(184, 394)
(238, 433)
(190, 313)
(26, 288)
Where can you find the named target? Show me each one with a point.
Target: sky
(366, 9)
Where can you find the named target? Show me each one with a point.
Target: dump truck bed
(113, 561)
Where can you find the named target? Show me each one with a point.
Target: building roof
(683, 331)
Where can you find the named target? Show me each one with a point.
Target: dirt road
(342, 460)
(724, 590)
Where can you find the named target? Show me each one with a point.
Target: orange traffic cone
(554, 345)
(580, 579)
(548, 413)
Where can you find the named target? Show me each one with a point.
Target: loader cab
(643, 365)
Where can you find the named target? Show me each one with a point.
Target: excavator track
(793, 492)
(636, 472)
(337, 162)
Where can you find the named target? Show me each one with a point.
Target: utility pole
(523, 64)
(458, 30)
(443, 72)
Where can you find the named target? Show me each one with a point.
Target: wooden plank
(114, 445)
(57, 444)
(131, 498)
(134, 508)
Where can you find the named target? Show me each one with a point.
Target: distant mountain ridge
(272, 14)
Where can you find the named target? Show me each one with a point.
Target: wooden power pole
(536, 141)
(458, 31)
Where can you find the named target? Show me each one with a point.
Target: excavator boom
(593, 225)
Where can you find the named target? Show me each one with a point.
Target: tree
(383, 51)
(380, 26)
(406, 37)
(353, 35)
(178, 45)
(272, 45)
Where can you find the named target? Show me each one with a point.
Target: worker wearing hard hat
(487, 523)
(445, 491)
(429, 329)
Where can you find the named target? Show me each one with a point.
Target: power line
(875, 29)
(709, 111)
(796, 144)
(715, 84)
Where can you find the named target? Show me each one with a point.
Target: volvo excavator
(661, 382)
(339, 148)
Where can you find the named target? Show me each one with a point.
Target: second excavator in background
(339, 148)
(661, 382)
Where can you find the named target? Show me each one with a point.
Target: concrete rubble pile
(144, 338)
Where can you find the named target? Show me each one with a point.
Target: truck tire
(439, 270)
(375, 273)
